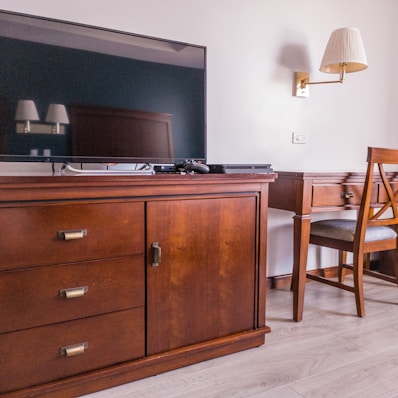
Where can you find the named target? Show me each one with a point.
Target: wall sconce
(344, 53)
(57, 114)
(26, 111)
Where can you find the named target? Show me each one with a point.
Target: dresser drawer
(59, 233)
(45, 295)
(35, 356)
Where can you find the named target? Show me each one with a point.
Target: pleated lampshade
(344, 47)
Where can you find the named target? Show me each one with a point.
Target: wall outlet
(299, 138)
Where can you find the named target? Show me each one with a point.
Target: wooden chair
(374, 230)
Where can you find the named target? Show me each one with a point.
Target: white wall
(252, 50)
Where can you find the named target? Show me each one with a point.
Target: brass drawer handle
(73, 292)
(156, 254)
(347, 195)
(72, 350)
(73, 234)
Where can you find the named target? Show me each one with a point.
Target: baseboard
(384, 266)
(284, 281)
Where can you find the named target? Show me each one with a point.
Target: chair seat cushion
(345, 230)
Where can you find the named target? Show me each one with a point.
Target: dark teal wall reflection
(50, 74)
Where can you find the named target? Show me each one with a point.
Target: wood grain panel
(113, 229)
(33, 356)
(203, 287)
(32, 297)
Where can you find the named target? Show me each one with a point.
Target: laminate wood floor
(331, 353)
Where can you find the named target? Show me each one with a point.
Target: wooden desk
(305, 193)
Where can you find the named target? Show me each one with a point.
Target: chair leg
(358, 284)
(395, 257)
(342, 261)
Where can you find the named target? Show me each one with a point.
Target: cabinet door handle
(347, 195)
(73, 234)
(72, 350)
(156, 254)
(73, 292)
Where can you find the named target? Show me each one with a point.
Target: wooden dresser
(105, 280)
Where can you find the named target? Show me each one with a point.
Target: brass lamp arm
(304, 81)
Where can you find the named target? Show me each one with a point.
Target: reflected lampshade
(57, 114)
(26, 111)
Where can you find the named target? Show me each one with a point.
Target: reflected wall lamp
(344, 53)
(26, 111)
(57, 114)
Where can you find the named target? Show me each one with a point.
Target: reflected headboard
(121, 133)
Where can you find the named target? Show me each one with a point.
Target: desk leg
(301, 238)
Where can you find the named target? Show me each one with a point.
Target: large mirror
(85, 74)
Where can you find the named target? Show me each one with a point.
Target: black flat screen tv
(129, 98)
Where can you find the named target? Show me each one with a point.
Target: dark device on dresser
(240, 168)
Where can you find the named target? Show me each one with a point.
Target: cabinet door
(205, 283)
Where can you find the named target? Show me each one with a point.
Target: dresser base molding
(148, 366)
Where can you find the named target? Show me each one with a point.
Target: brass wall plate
(38, 128)
(299, 90)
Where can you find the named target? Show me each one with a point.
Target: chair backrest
(387, 215)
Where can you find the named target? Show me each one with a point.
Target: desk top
(310, 192)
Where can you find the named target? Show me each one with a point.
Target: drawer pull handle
(347, 195)
(74, 234)
(156, 254)
(72, 350)
(73, 292)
